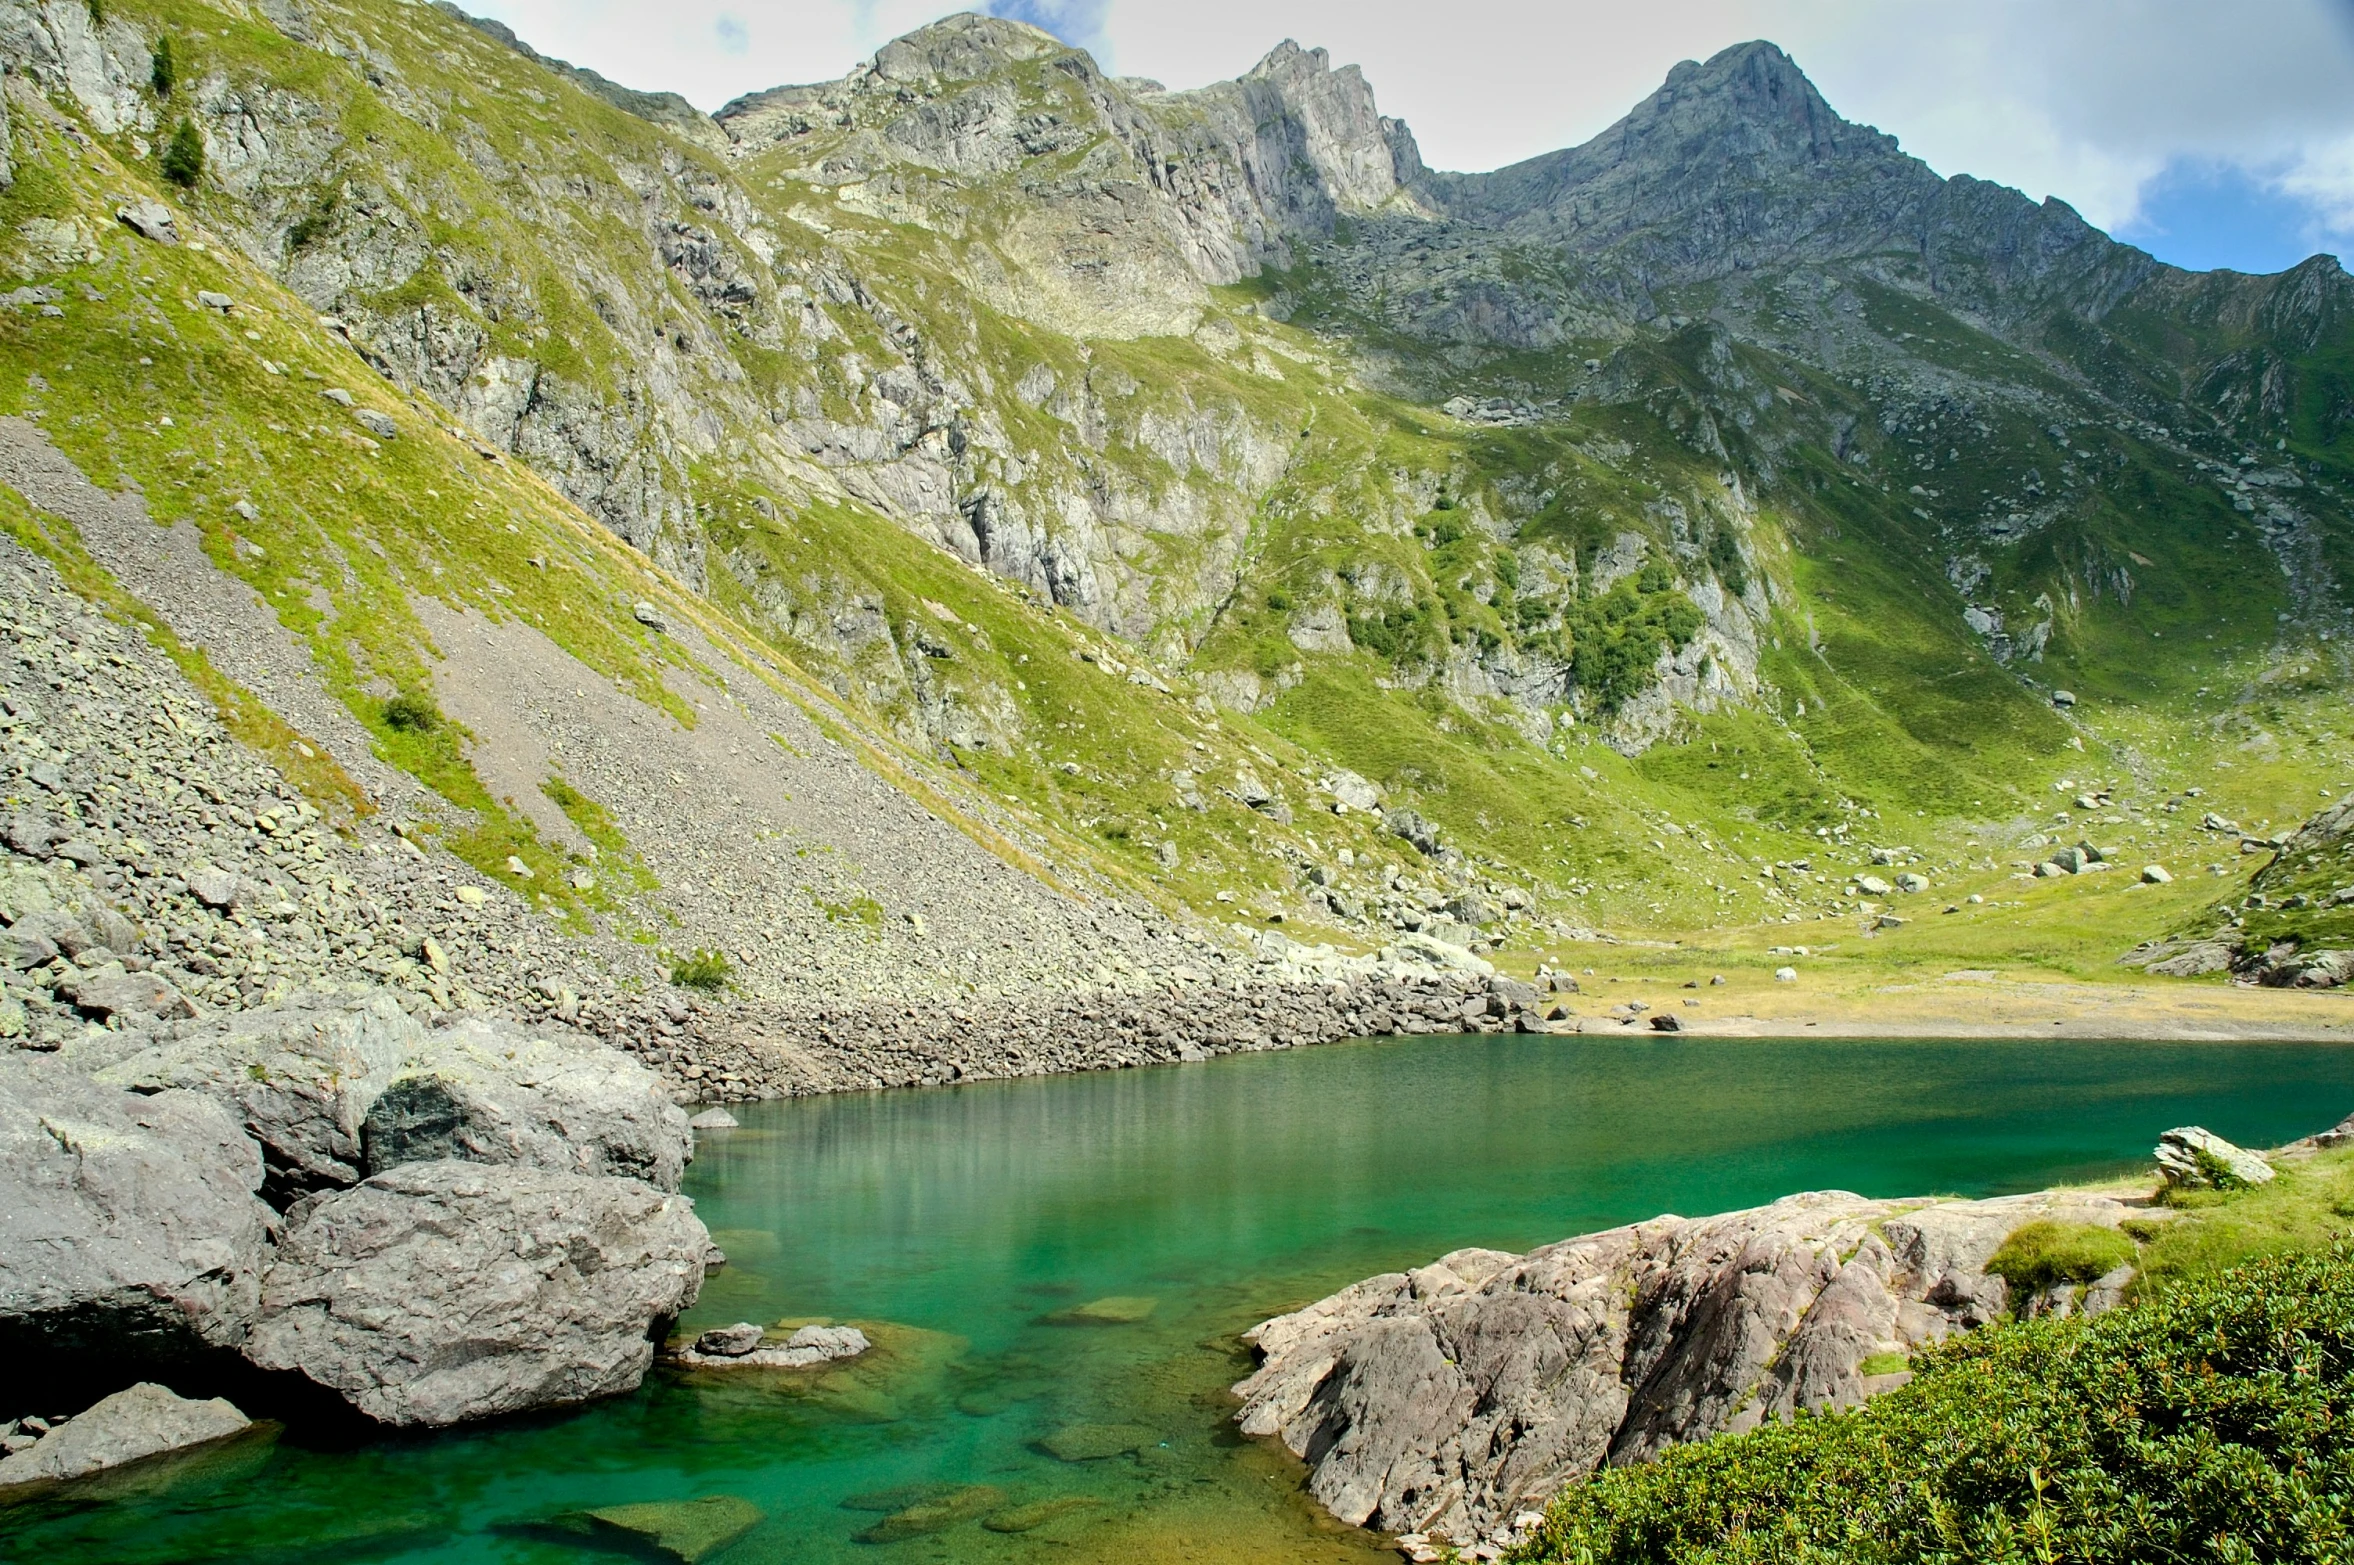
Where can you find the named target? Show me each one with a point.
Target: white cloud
(2087, 99)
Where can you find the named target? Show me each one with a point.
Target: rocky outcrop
(2192, 1157)
(440, 1292)
(130, 1233)
(1449, 1399)
(337, 1087)
(130, 1426)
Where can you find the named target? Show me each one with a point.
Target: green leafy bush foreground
(2214, 1421)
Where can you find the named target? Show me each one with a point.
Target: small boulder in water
(713, 1119)
(727, 1347)
(146, 1420)
(729, 1341)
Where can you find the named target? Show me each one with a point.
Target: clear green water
(964, 1222)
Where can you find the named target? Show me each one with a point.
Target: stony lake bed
(1055, 1273)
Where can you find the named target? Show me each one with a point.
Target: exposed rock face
(130, 1233)
(336, 1087)
(145, 1420)
(440, 1292)
(1449, 1398)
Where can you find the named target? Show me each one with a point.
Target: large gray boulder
(130, 1426)
(439, 1292)
(1449, 1399)
(130, 1234)
(337, 1087)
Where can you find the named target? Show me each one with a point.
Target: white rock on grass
(442, 1292)
(143, 1421)
(2195, 1158)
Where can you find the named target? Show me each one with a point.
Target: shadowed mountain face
(1732, 469)
(1738, 166)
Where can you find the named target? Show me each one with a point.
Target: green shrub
(412, 712)
(1401, 635)
(162, 73)
(705, 970)
(183, 156)
(315, 222)
(2040, 1254)
(2213, 1421)
(1279, 601)
(1616, 637)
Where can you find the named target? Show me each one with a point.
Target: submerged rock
(1449, 1398)
(1036, 1514)
(130, 1426)
(1118, 1310)
(685, 1530)
(1095, 1442)
(937, 1514)
(440, 1292)
(130, 1234)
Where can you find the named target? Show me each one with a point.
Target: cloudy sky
(2211, 132)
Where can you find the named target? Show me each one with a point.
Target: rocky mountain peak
(1287, 62)
(1746, 117)
(1362, 158)
(1755, 102)
(963, 47)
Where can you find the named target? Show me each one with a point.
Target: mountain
(1121, 480)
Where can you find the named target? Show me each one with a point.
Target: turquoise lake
(965, 1228)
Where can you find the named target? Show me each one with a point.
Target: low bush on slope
(2214, 1421)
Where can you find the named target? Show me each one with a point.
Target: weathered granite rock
(112, 990)
(145, 1420)
(439, 1292)
(336, 1087)
(1448, 1398)
(129, 1227)
(2195, 1158)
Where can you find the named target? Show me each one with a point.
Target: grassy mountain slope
(1643, 577)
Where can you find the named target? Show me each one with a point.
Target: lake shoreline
(870, 1048)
